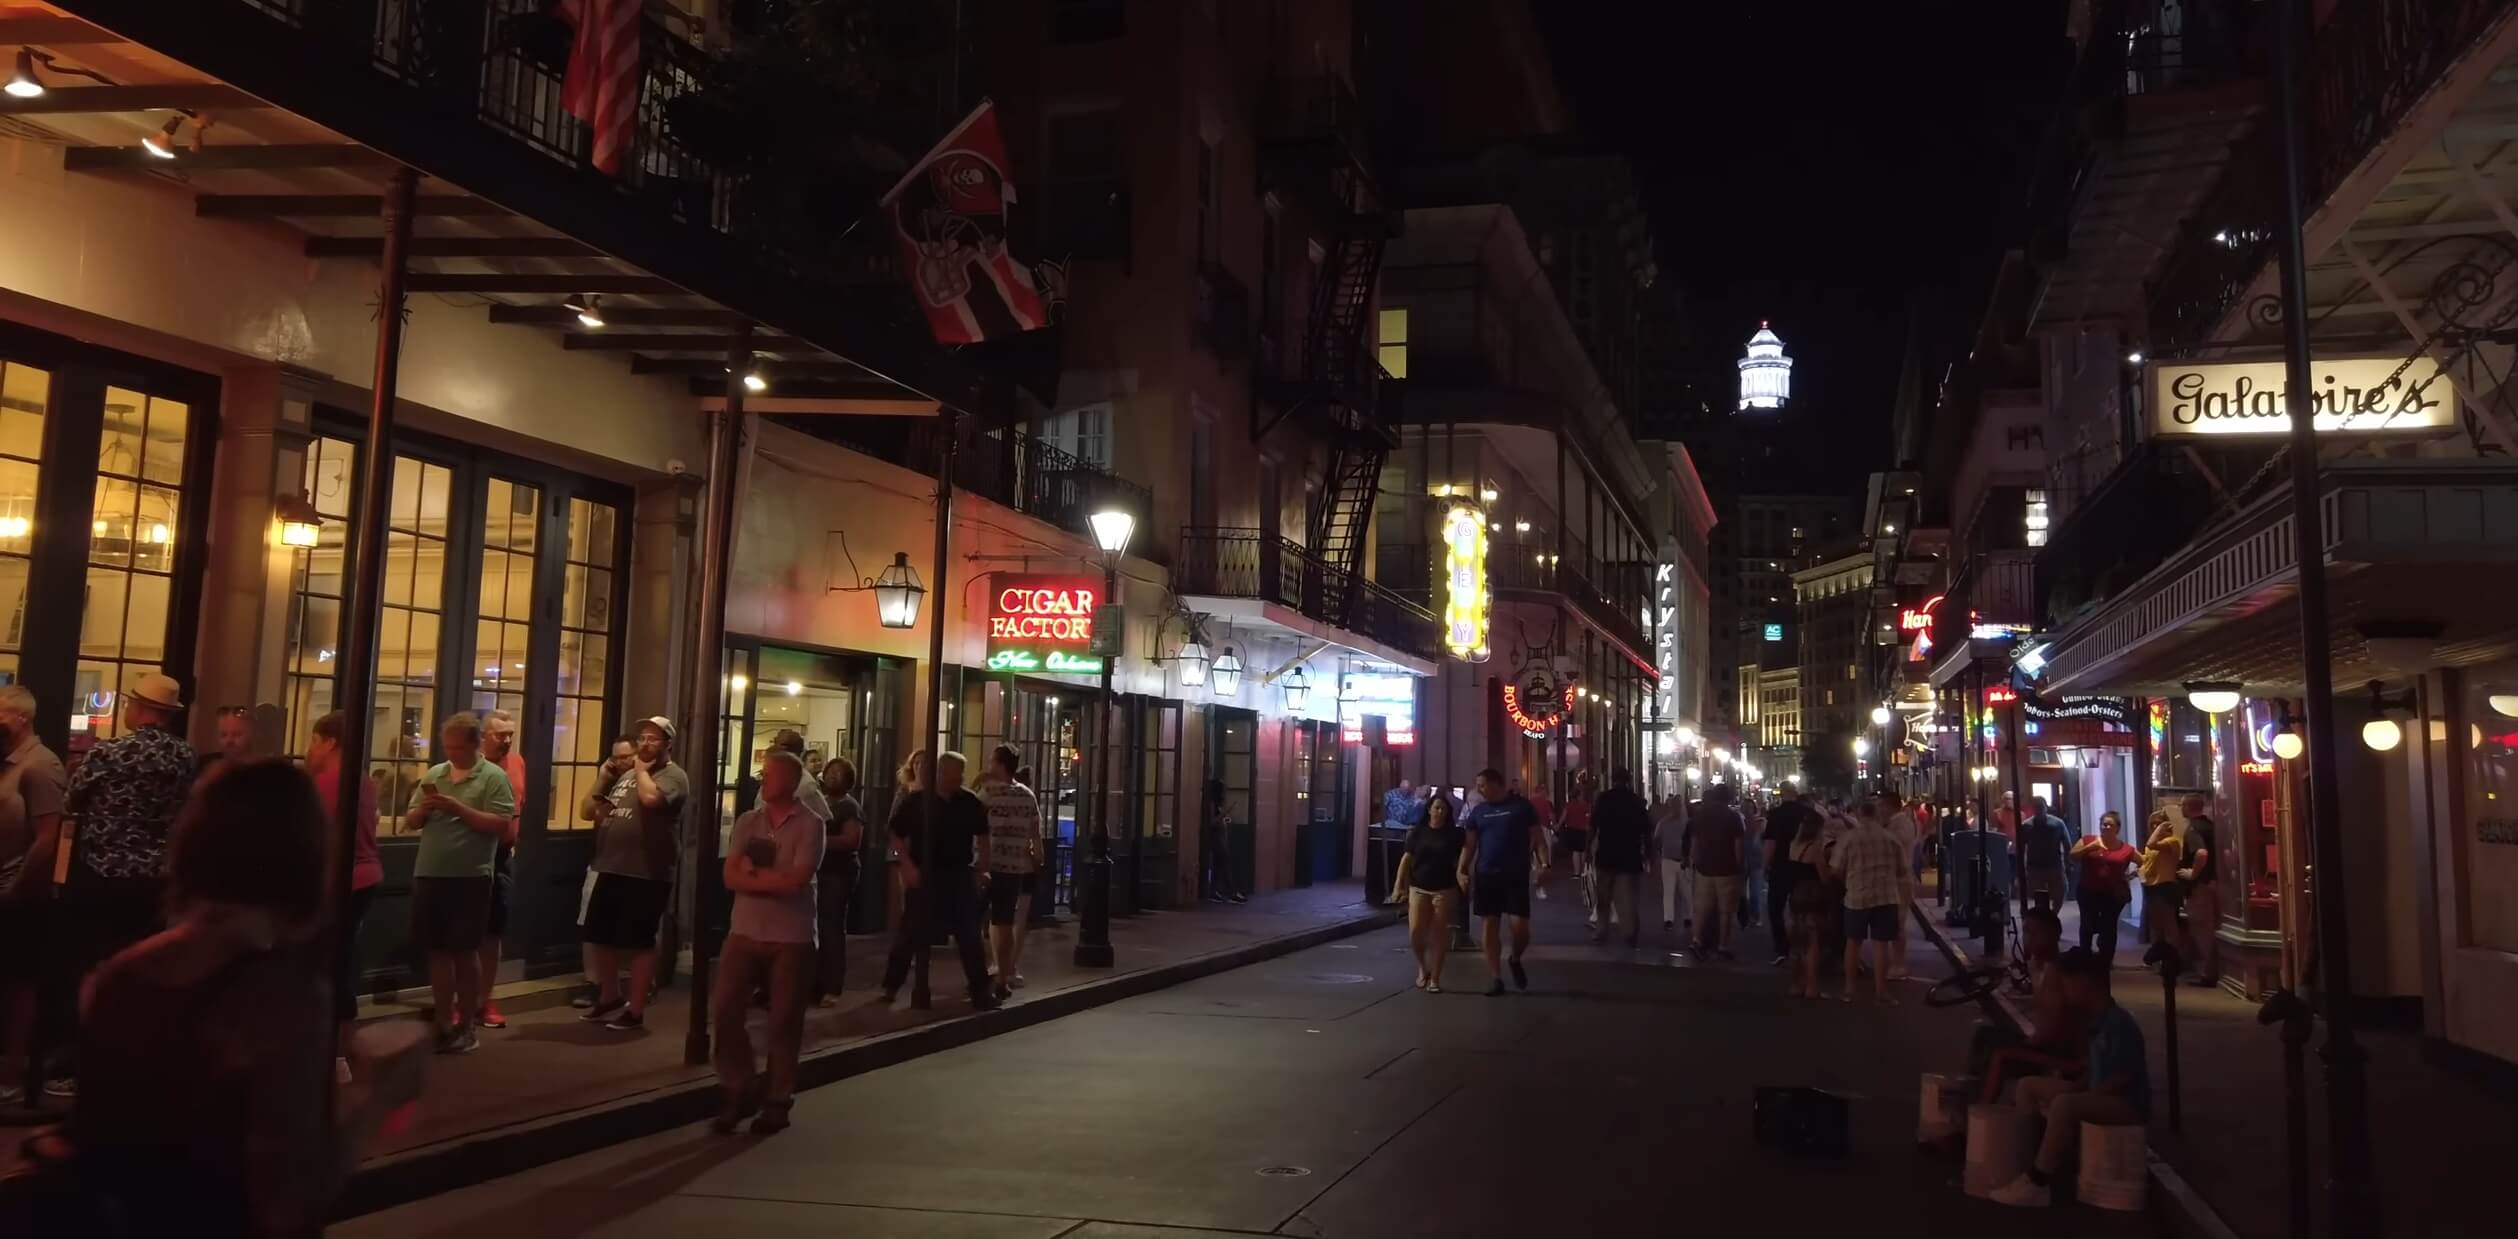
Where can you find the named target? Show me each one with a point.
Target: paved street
(1320, 1095)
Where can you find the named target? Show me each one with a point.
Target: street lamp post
(2347, 1102)
(1112, 527)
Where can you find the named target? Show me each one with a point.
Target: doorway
(1232, 759)
(1324, 798)
(842, 706)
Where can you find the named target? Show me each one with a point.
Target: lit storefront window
(2490, 846)
(2034, 518)
(131, 545)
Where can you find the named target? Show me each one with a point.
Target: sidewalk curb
(419, 1173)
(2173, 1201)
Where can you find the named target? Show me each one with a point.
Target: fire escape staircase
(1340, 378)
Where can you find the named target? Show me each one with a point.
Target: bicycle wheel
(1964, 986)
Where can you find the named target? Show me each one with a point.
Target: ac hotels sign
(2349, 395)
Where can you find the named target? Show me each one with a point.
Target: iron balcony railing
(2153, 503)
(2366, 66)
(1252, 563)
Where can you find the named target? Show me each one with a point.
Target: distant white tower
(1765, 374)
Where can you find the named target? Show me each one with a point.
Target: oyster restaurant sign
(2351, 395)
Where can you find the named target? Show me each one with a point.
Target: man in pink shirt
(325, 766)
(498, 747)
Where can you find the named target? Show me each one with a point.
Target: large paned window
(131, 546)
(2489, 848)
(405, 704)
(315, 593)
(24, 394)
(578, 739)
(511, 514)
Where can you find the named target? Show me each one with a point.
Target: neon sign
(1918, 619)
(1043, 623)
(1464, 577)
(2255, 767)
(1392, 697)
(1542, 712)
(2000, 695)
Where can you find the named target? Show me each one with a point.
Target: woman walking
(2163, 851)
(2105, 888)
(1812, 907)
(1430, 875)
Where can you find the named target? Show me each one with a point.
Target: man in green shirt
(461, 810)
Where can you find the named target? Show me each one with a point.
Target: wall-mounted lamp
(2287, 741)
(300, 524)
(898, 594)
(1193, 663)
(2381, 732)
(1297, 690)
(1226, 673)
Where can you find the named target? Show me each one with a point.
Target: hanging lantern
(1297, 691)
(898, 593)
(1193, 664)
(1228, 673)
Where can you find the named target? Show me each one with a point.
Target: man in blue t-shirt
(1504, 844)
(2114, 1088)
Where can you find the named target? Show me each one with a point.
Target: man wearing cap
(635, 843)
(122, 803)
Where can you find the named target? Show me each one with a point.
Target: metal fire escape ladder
(1343, 372)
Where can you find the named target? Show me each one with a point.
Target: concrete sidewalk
(2440, 1139)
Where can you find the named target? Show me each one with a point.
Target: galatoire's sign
(1043, 623)
(2350, 395)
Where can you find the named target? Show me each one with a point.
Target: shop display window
(2489, 846)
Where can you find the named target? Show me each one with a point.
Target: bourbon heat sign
(1043, 623)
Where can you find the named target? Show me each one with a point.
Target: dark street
(1319, 1095)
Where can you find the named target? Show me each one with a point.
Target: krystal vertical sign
(1043, 623)
(2351, 395)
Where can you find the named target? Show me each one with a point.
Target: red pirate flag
(950, 216)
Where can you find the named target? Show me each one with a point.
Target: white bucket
(2113, 1170)
(1999, 1143)
(1942, 1107)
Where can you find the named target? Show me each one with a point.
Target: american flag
(601, 88)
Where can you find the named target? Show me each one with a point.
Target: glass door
(1153, 846)
(1232, 759)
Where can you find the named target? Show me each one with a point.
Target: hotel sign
(2350, 396)
(1043, 623)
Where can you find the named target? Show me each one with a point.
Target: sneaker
(490, 1017)
(773, 1118)
(598, 1011)
(65, 1088)
(458, 1040)
(985, 1002)
(1215, 899)
(11, 1095)
(1433, 987)
(1016, 983)
(583, 1002)
(1781, 960)
(1542, 892)
(2021, 1191)
(1241, 899)
(626, 1021)
(732, 1110)
(1521, 978)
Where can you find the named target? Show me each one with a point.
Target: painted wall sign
(2350, 395)
(1039, 622)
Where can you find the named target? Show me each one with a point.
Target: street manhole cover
(1283, 1172)
(1339, 978)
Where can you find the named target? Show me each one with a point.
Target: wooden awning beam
(620, 316)
(348, 206)
(138, 159)
(66, 100)
(548, 285)
(52, 31)
(694, 342)
(453, 247)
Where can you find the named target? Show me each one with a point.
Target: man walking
(1014, 855)
(2202, 876)
(772, 858)
(1783, 873)
(1716, 838)
(1620, 826)
(1870, 858)
(498, 747)
(32, 788)
(462, 807)
(942, 889)
(638, 835)
(2044, 838)
(1668, 824)
(1504, 844)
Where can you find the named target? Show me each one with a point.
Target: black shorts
(502, 887)
(1878, 924)
(2164, 899)
(1500, 894)
(449, 915)
(1004, 890)
(624, 911)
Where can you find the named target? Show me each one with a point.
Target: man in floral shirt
(122, 804)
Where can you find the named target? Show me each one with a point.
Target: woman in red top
(2105, 888)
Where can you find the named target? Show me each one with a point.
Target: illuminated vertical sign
(1665, 639)
(1465, 595)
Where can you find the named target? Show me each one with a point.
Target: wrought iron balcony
(2367, 65)
(1252, 563)
(2157, 501)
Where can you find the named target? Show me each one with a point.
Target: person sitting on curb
(2055, 1033)
(2113, 1088)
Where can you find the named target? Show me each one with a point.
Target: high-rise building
(1765, 372)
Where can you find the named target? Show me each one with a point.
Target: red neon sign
(2000, 695)
(1530, 726)
(1043, 611)
(2255, 767)
(1918, 619)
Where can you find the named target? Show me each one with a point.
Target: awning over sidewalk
(2411, 547)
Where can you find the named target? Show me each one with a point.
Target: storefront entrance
(1324, 805)
(104, 478)
(843, 706)
(1232, 759)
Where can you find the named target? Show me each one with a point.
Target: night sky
(1827, 164)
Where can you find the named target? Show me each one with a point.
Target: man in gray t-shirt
(770, 862)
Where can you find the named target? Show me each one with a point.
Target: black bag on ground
(1801, 1120)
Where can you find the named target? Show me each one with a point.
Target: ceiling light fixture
(2381, 732)
(162, 143)
(755, 383)
(23, 84)
(2213, 696)
(588, 309)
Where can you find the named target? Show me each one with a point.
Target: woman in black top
(1429, 878)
